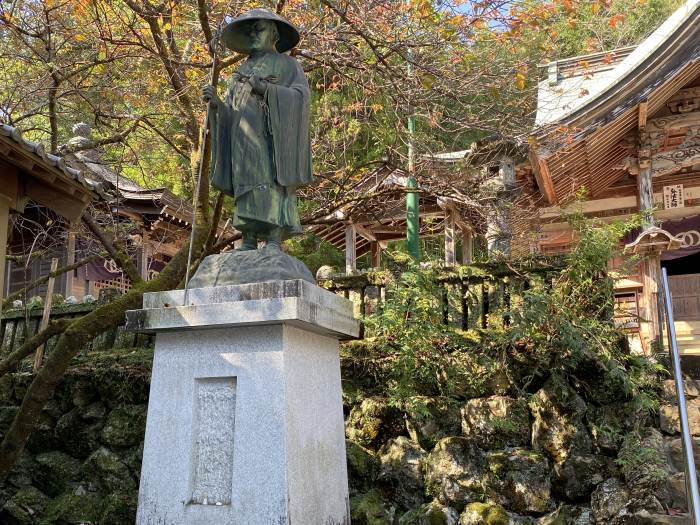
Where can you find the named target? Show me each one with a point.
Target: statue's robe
(261, 150)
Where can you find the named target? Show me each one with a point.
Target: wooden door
(685, 292)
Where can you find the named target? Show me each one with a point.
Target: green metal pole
(412, 207)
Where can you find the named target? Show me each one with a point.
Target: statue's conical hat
(235, 36)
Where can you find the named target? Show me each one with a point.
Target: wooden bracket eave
(542, 176)
(642, 121)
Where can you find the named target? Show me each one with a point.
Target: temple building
(624, 127)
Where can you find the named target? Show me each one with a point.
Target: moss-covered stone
(119, 509)
(71, 509)
(453, 472)
(24, 508)
(371, 509)
(558, 427)
(125, 426)
(575, 478)
(484, 514)
(496, 422)
(363, 467)
(438, 418)
(402, 472)
(55, 471)
(519, 480)
(7, 414)
(644, 464)
(79, 431)
(108, 471)
(567, 515)
(374, 422)
(433, 513)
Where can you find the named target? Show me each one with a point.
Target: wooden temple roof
(44, 177)
(383, 218)
(589, 140)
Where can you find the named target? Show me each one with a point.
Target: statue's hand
(209, 94)
(258, 84)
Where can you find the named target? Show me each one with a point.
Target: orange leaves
(616, 21)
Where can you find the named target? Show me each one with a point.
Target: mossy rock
(6, 390)
(109, 471)
(519, 479)
(81, 391)
(21, 473)
(125, 426)
(567, 515)
(453, 472)
(119, 509)
(24, 508)
(55, 471)
(371, 509)
(363, 467)
(558, 427)
(496, 422)
(436, 419)
(484, 514)
(644, 464)
(43, 436)
(117, 387)
(21, 382)
(575, 478)
(73, 509)
(79, 430)
(7, 415)
(433, 513)
(374, 422)
(402, 472)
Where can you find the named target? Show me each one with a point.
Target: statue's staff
(213, 49)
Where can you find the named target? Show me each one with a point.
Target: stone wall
(83, 460)
(564, 453)
(553, 457)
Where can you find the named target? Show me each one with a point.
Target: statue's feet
(248, 245)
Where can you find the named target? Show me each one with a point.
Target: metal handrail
(691, 476)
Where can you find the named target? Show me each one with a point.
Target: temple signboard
(673, 196)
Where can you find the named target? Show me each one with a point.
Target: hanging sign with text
(673, 196)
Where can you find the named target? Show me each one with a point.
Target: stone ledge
(294, 302)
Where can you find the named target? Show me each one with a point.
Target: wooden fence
(469, 299)
(20, 324)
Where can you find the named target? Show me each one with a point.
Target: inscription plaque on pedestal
(212, 450)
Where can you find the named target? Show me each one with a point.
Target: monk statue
(260, 131)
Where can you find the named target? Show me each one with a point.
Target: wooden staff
(213, 48)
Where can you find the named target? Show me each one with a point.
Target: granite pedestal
(245, 419)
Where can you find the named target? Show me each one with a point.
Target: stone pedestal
(245, 419)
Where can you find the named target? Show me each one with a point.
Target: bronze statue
(260, 131)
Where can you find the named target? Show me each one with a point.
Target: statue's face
(263, 35)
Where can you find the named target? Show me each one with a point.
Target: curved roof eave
(676, 40)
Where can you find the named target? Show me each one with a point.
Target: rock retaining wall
(552, 457)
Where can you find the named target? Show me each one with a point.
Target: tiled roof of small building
(55, 161)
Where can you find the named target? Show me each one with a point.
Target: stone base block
(245, 421)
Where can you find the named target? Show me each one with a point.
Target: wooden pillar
(652, 266)
(467, 247)
(376, 252)
(144, 253)
(70, 259)
(651, 295)
(4, 226)
(644, 182)
(350, 249)
(450, 251)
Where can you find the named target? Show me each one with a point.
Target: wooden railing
(474, 296)
(20, 324)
